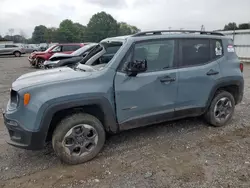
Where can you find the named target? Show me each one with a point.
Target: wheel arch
(235, 87)
(17, 51)
(100, 108)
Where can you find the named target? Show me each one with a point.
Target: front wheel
(78, 138)
(40, 63)
(221, 109)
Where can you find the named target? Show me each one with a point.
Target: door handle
(167, 79)
(212, 72)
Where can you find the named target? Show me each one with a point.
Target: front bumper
(32, 60)
(22, 138)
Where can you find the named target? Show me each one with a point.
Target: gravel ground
(185, 153)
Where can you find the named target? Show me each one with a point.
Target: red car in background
(37, 59)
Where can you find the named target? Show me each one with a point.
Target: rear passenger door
(198, 72)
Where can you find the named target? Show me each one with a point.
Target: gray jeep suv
(154, 77)
(11, 49)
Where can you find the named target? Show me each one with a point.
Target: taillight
(241, 67)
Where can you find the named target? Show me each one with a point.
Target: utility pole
(202, 28)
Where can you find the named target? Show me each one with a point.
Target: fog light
(12, 123)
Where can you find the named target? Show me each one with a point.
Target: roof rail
(160, 32)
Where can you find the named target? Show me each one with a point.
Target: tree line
(101, 25)
(234, 26)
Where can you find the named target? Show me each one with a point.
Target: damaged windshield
(99, 56)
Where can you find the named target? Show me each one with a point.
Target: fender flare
(223, 83)
(110, 125)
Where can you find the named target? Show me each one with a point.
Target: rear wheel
(78, 138)
(17, 54)
(221, 109)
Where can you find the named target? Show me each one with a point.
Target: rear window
(195, 51)
(11, 46)
(217, 49)
(200, 51)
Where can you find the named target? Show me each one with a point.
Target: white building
(241, 40)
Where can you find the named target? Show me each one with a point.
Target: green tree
(69, 31)
(8, 37)
(19, 39)
(80, 31)
(38, 36)
(244, 26)
(126, 29)
(100, 26)
(230, 26)
(51, 34)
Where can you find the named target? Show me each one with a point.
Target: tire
(210, 115)
(17, 54)
(39, 63)
(69, 123)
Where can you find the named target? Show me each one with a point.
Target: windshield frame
(104, 45)
(50, 48)
(83, 49)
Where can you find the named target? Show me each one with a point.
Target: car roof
(159, 34)
(118, 38)
(65, 44)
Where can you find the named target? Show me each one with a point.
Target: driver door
(148, 97)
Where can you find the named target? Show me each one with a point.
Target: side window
(126, 59)
(194, 52)
(67, 48)
(9, 46)
(76, 47)
(70, 48)
(217, 49)
(159, 54)
(112, 49)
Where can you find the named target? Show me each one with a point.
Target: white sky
(145, 14)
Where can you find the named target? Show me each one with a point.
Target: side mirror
(135, 67)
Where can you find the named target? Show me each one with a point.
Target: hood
(58, 55)
(37, 53)
(47, 76)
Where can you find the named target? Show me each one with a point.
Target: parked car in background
(30, 49)
(37, 59)
(82, 55)
(61, 59)
(11, 49)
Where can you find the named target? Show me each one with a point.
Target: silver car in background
(30, 49)
(11, 49)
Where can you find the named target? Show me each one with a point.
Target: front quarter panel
(46, 100)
